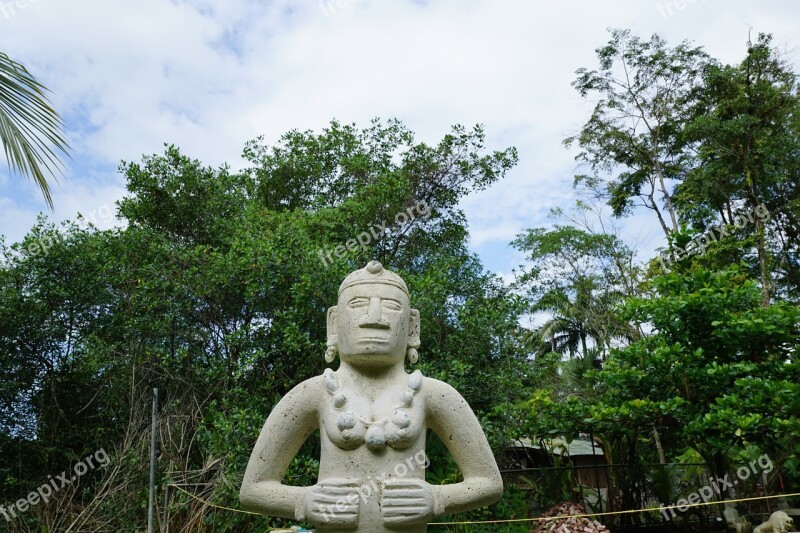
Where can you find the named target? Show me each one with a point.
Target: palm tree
(565, 332)
(590, 316)
(30, 130)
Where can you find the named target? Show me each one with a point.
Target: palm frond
(31, 131)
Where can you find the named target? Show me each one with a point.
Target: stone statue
(372, 418)
(779, 522)
(734, 522)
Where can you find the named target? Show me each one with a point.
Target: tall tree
(30, 129)
(718, 374)
(634, 132)
(745, 122)
(575, 277)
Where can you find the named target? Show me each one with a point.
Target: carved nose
(373, 318)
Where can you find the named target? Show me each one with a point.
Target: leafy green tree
(744, 122)
(216, 292)
(711, 331)
(30, 129)
(635, 131)
(699, 143)
(717, 375)
(576, 277)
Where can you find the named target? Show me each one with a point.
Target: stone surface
(779, 522)
(734, 522)
(372, 418)
(567, 523)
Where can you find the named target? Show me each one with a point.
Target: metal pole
(153, 443)
(597, 474)
(166, 508)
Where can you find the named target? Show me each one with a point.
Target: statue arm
(452, 419)
(289, 424)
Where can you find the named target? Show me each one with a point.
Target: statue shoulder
(307, 391)
(436, 389)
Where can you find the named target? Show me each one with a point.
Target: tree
(712, 344)
(718, 375)
(216, 292)
(635, 129)
(745, 123)
(578, 277)
(699, 143)
(30, 129)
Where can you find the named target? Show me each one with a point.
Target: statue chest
(393, 418)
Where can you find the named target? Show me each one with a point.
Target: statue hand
(333, 501)
(406, 501)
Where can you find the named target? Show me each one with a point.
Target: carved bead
(331, 384)
(374, 267)
(375, 438)
(415, 380)
(346, 421)
(400, 418)
(407, 398)
(339, 400)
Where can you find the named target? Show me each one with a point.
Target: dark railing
(621, 487)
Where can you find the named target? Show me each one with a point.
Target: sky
(207, 76)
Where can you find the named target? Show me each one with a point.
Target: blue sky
(210, 75)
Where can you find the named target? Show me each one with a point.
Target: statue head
(373, 324)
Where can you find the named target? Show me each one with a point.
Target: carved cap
(374, 273)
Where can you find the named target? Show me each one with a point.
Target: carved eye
(355, 303)
(392, 305)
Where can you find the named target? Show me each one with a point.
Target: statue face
(372, 324)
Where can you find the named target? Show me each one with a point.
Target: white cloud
(209, 75)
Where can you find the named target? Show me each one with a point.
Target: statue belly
(370, 469)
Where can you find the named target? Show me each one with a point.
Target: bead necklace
(375, 437)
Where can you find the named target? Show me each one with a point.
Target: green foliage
(636, 127)
(579, 277)
(710, 150)
(216, 293)
(744, 124)
(717, 373)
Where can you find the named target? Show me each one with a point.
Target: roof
(576, 448)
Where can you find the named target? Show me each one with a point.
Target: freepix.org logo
(700, 243)
(54, 484)
(718, 486)
(9, 9)
(420, 209)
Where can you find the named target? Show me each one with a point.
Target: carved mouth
(371, 340)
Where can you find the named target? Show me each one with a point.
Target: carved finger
(404, 500)
(340, 483)
(330, 500)
(407, 510)
(408, 485)
(338, 492)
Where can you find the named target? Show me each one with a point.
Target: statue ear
(332, 316)
(413, 329)
(331, 350)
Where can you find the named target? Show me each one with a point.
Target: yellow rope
(211, 504)
(219, 506)
(540, 518)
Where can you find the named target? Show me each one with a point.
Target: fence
(652, 488)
